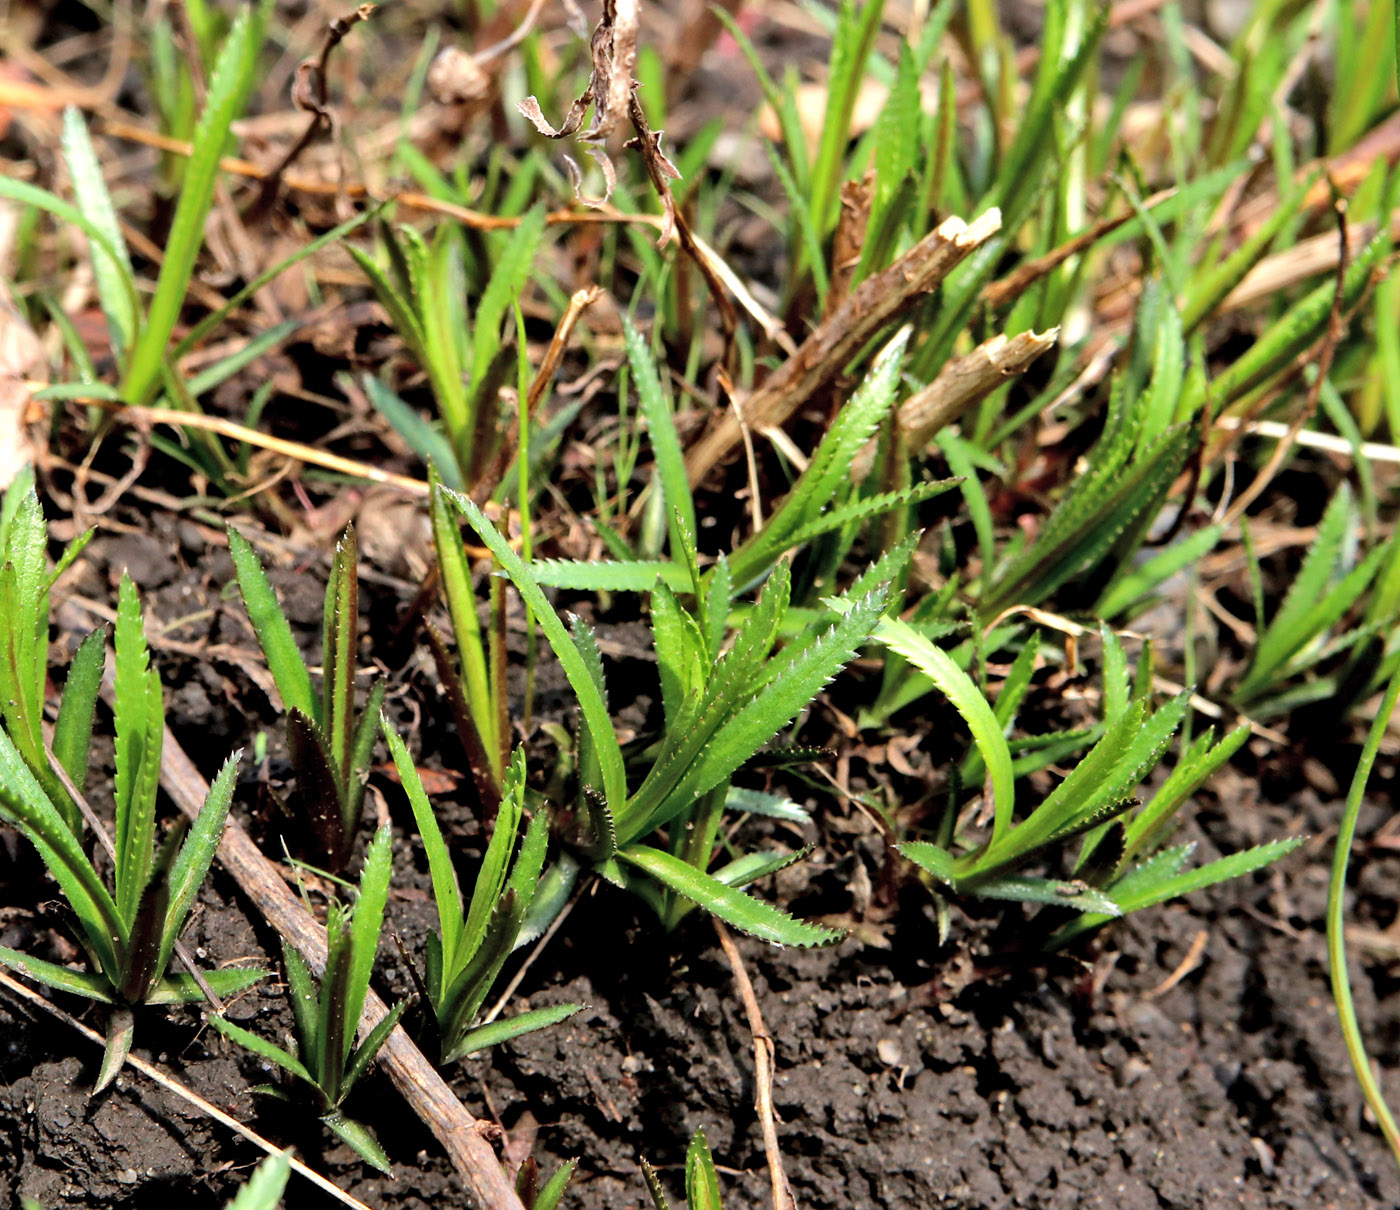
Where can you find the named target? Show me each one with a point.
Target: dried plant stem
(763, 1070)
(170, 1084)
(474, 219)
(137, 414)
(310, 93)
(579, 302)
(462, 1136)
(1329, 442)
(872, 306)
(960, 385)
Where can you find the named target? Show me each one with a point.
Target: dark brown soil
(909, 1075)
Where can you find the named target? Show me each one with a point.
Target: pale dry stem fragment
(959, 386)
(871, 307)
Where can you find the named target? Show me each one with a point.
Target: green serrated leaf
(745, 913)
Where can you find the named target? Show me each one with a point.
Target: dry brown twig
(579, 302)
(763, 1070)
(139, 415)
(170, 1084)
(462, 1136)
(612, 91)
(872, 306)
(959, 386)
(310, 94)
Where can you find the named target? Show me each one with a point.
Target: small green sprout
(723, 704)
(425, 293)
(533, 1195)
(263, 1190)
(129, 932)
(327, 1058)
(1118, 868)
(465, 955)
(329, 750)
(701, 1178)
(25, 582)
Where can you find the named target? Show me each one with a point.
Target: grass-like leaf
(484, 1036)
(661, 426)
(638, 576)
(594, 709)
(228, 89)
(745, 913)
(111, 270)
(967, 699)
(264, 1189)
(274, 632)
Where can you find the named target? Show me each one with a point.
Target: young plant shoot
(466, 953)
(129, 931)
(329, 748)
(466, 362)
(1118, 868)
(722, 705)
(327, 1059)
(25, 582)
(701, 1178)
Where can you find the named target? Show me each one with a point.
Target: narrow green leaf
(791, 681)
(274, 632)
(225, 982)
(264, 1189)
(745, 913)
(422, 436)
(366, 924)
(701, 1180)
(967, 699)
(440, 868)
(592, 705)
(121, 1027)
(1130, 588)
(31, 195)
(340, 640)
(228, 89)
(140, 725)
(638, 576)
(661, 427)
(466, 627)
(363, 1055)
(72, 732)
(360, 1140)
(191, 867)
(503, 1030)
(552, 1191)
(79, 983)
(928, 856)
(1078, 895)
(112, 275)
(24, 805)
(508, 279)
(829, 471)
(261, 1047)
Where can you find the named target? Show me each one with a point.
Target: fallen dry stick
(960, 385)
(170, 1084)
(873, 305)
(763, 1070)
(460, 1134)
(138, 414)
